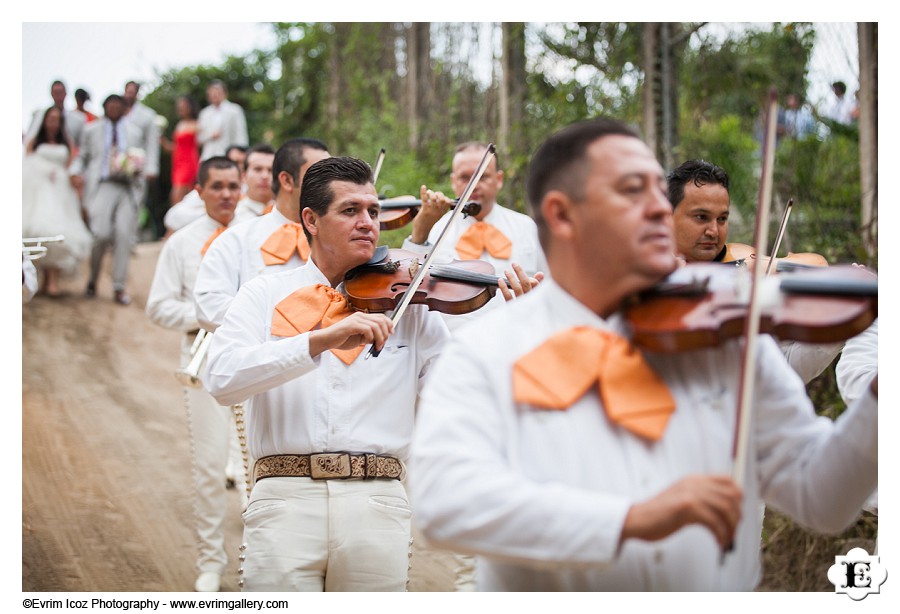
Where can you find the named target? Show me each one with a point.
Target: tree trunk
(867, 35)
(512, 136)
(651, 53)
(333, 105)
(418, 85)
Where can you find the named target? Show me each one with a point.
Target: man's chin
(363, 253)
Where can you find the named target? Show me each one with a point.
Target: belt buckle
(329, 465)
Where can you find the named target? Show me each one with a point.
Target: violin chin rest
(380, 255)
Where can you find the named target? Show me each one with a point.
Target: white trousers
(333, 535)
(213, 441)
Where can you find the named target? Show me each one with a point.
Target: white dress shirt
(170, 302)
(810, 359)
(520, 229)
(542, 495)
(252, 206)
(184, 211)
(300, 404)
(231, 261)
(858, 364)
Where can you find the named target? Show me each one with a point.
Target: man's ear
(285, 181)
(310, 219)
(556, 209)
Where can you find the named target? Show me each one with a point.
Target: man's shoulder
(516, 215)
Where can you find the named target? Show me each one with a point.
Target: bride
(50, 205)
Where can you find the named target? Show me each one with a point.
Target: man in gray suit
(75, 122)
(144, 118)
(221, 123)
(110, 170)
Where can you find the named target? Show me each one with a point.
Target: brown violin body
(820, 305)
(456, 288)
(740, 252)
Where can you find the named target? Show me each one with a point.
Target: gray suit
(112, 206)
(144, 118)
(229, 121)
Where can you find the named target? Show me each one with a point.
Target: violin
(462, 286)
(814, 305)
(746, 254)
(398, 212)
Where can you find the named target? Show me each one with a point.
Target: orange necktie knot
(282, 244)
(482, 236)
(562, 369)
(212, 238)
(310, 307)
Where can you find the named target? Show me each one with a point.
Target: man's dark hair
(700, 172)
(241, 148)
(316, 192)
(291, 157)
(561, 163)
(840, 87)
(258, 148)
(113, 98)
(216, 162)
(81, 96)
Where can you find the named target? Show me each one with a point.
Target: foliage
(822, 176)
(733, 76)
(726, 144)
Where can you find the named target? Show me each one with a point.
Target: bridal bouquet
(129, 164)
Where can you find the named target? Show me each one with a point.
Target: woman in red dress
(184, 150)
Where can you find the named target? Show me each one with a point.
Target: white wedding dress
(50, 207)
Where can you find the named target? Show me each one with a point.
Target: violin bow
(780, 235)
(751, 324)
(422, 270)
(378, 162)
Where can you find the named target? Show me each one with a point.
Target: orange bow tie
(482, 236)
(308, 307)
(268, 208)
(212, 238)
(282, 244)
(562, 369)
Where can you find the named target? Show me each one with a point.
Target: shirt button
(658, 557)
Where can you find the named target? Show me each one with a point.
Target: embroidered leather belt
(328, 466)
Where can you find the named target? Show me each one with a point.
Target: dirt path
(106, 502)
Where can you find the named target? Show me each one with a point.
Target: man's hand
(434, 206)
(713, 501)
(77, 181)
(517, 282)
(356, 329)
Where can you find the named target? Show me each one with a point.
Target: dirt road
(106, 500)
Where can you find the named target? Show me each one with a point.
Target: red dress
(185, 158)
